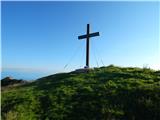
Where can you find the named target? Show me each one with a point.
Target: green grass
(106, 93)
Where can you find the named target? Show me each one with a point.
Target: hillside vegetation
(106, 93)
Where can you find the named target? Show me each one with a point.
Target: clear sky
(40, 38)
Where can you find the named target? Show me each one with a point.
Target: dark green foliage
(106, 93)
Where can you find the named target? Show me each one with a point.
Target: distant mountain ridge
(11, 81)
(106, 93)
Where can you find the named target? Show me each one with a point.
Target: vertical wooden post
(87, 47)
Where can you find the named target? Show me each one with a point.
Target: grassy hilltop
(106, 93)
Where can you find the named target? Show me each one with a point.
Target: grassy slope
(102, 94)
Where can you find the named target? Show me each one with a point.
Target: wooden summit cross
(87, 36)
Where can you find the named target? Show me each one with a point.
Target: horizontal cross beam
(90, 35)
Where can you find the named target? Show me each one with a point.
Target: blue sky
(40, 38)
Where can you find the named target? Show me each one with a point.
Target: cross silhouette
(87, 36)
